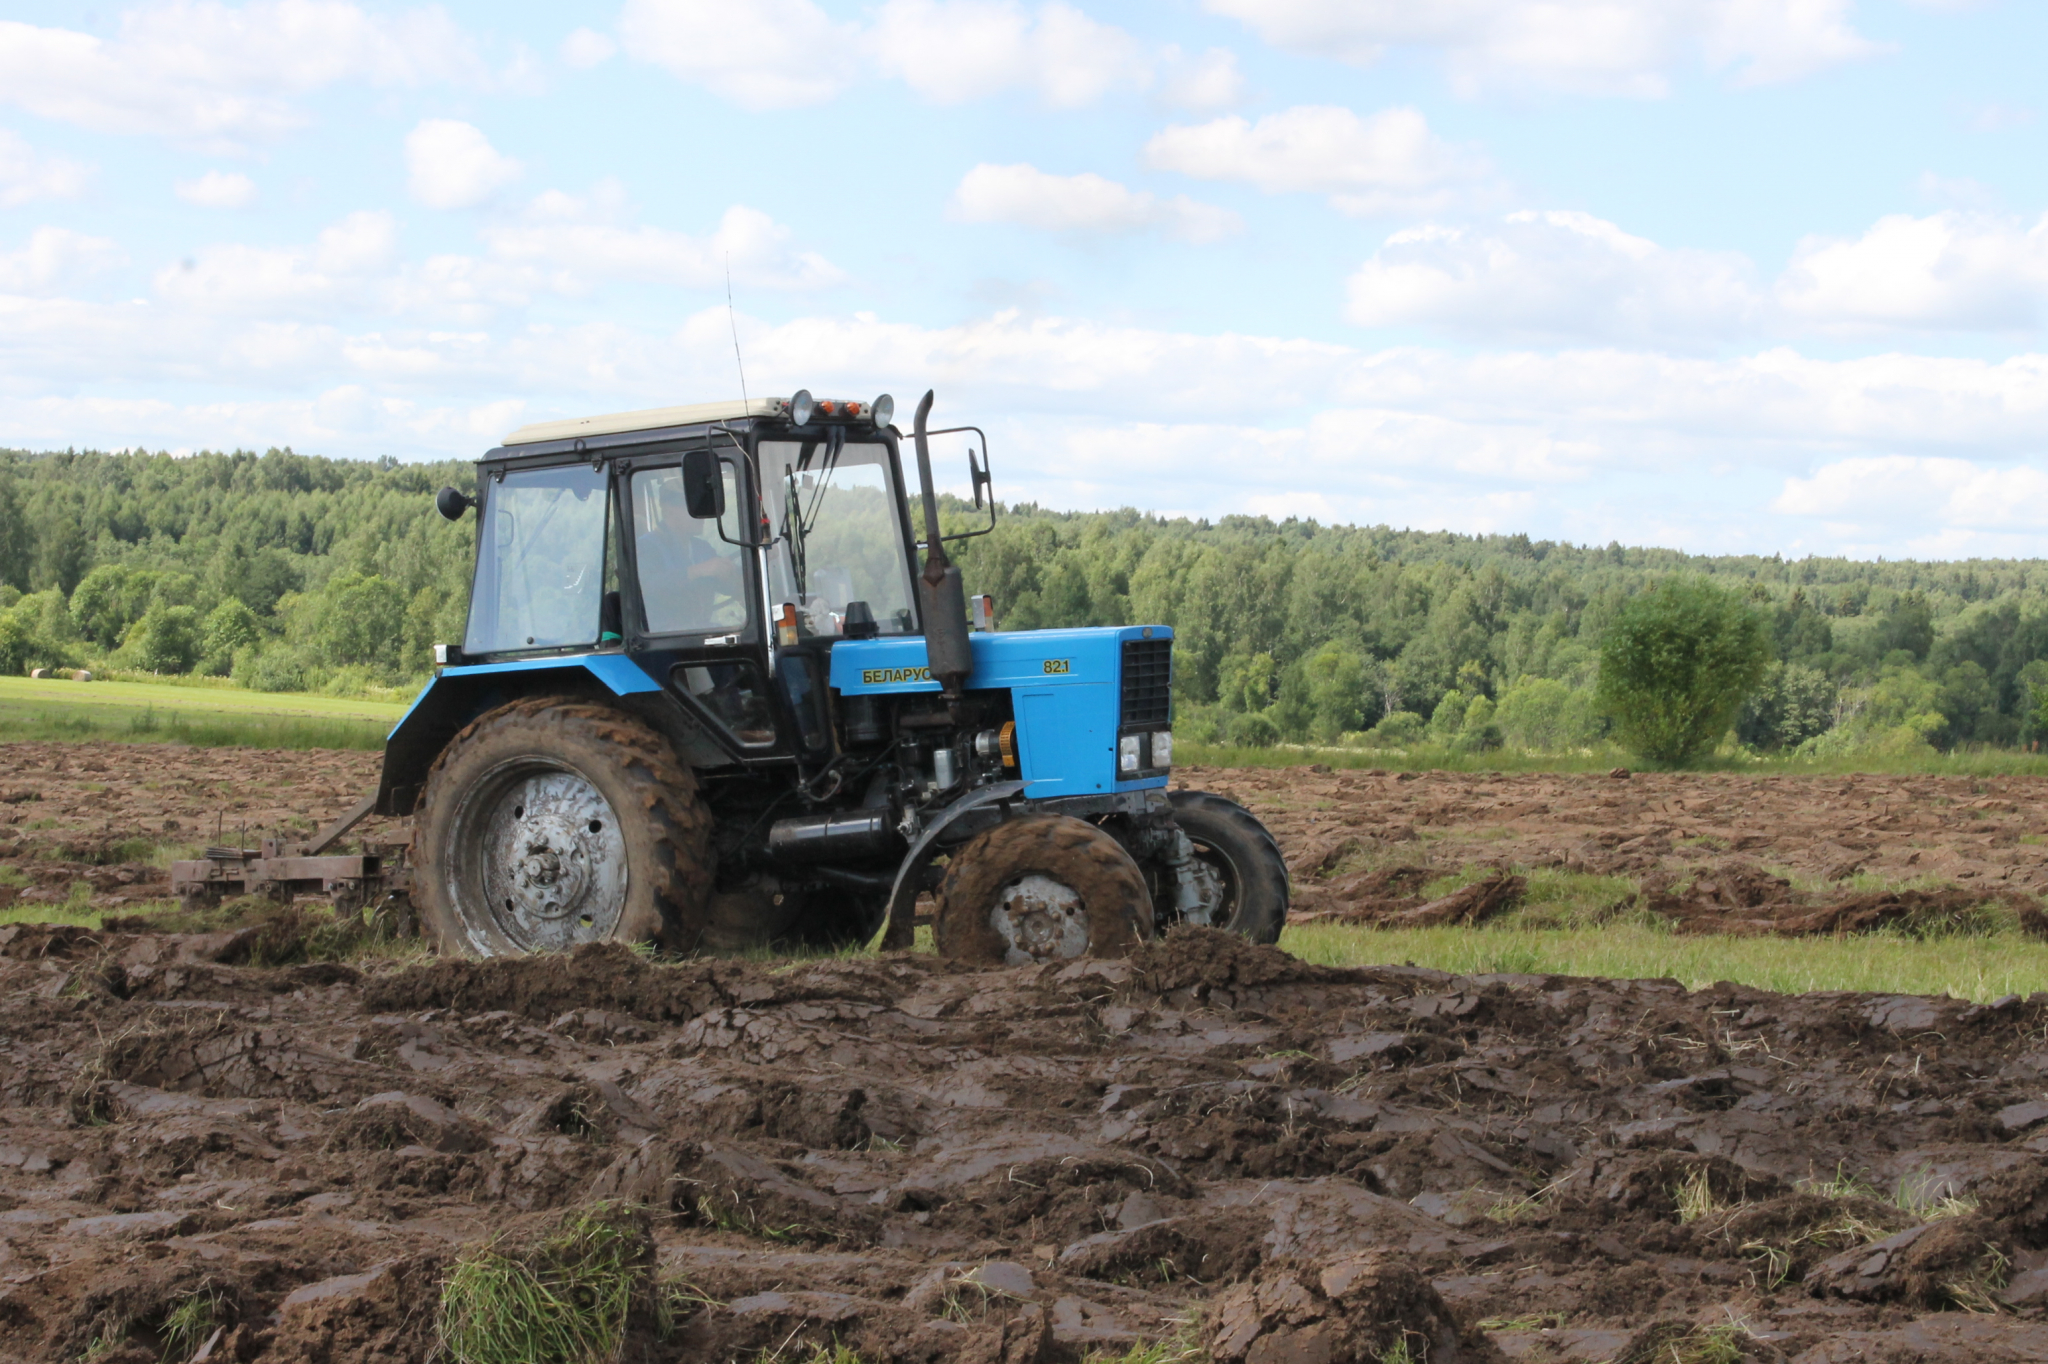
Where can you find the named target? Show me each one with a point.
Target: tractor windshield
(540, 561)
(840, 538)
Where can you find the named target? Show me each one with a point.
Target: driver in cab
(688, 576)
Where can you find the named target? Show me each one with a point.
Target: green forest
(293, 572)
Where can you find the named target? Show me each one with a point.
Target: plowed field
(1211, 1143)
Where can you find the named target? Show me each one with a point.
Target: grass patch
(1554, 899)
(76, 912)
(180, 711)
(1694, 1197)
(563, 1300)
(1973, 762)
(1964, 966)
(191, 1321)
(1182, 1347)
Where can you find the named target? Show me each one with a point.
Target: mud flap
(898, 929)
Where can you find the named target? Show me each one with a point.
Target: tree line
(288, 571)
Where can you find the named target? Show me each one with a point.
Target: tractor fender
(458, 695)
(979, 809)
(898, 931)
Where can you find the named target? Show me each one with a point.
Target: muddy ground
(1211, 1143)
(108, 816)
(929, 1163)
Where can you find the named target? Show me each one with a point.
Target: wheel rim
(541, 860)
(1221, 873)
(1039, 919)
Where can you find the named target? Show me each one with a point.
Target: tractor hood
(1024, 658)
(1077, 695)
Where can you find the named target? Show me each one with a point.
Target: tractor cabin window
(540, 561)
(690, 576)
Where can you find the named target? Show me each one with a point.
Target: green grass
(189, 1324)
(1975, 762)
(564, 1300)
(1966, 966)
(180, 712)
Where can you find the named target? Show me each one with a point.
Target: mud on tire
(1231, 841)
(582, 760)
(1112, 915)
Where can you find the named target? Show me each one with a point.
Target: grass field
(1967, 967)
(180, 712)
(1976, 762)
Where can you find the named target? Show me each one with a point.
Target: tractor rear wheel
(1040, 889)
(1240, 862)
(553, 822)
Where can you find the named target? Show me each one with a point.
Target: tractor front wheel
(553, 822)
(1236, 863)
(1040, 889)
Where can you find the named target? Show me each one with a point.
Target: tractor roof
(648, 419)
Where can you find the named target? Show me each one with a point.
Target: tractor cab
(709, 694)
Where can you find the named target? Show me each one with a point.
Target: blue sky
(1728, 275)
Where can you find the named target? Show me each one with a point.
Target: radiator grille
(1148, 683)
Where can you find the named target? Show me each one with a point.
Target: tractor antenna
(730, 321)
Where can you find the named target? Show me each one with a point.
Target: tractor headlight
(1162, 748)
(1127, 757)
(800, 405)
(883, 410)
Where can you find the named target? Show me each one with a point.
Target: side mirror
(452, 503)
(703, 485)
(978, 472)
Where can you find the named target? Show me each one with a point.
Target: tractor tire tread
(666, 790)
(1071, 851)
(1262, 907)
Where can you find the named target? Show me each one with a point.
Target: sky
(1730, 276)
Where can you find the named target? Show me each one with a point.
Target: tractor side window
(690, 578)
(540, 561)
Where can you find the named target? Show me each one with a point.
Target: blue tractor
(707, 697)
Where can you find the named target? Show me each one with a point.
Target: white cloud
(786, 54)
(341, 269)
(1952, 270)
(575, 242)
(1915, 491)
(1409, 435)
(1090, 204)
(585, 48)
(1623, 47)
(1203, 83)
(54, 256)
(218, 189)
(1388, 162)
(26, 175)
(451, 164)
(1551, 276)
(951, 51)
(202, 72)
(1999, 118)
(760, 54)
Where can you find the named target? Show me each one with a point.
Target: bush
(1401, 727)
(274, 670)
(1792, 705)
(1254, 731)
(1197, 724)
(166, 640)
(1448, 719)
(1544, 715)
(1676, 665)
(1478, 733)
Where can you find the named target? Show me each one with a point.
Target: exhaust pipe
(943, 599)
